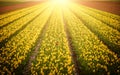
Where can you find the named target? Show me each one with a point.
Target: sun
(60, 2)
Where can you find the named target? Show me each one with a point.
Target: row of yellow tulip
(93, 55)
(107, 34)
(113, 16)
(16, 12)
(12, 18)
(17, 48)
(112, 22)
(54, 54)
(7, 31)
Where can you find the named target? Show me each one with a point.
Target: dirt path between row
(17, 6)
(109, 6)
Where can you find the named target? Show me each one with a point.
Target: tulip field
(59, 39)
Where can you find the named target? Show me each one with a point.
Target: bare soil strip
(17, 6)
(27, 68)
(108, 6)
(8, 3)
